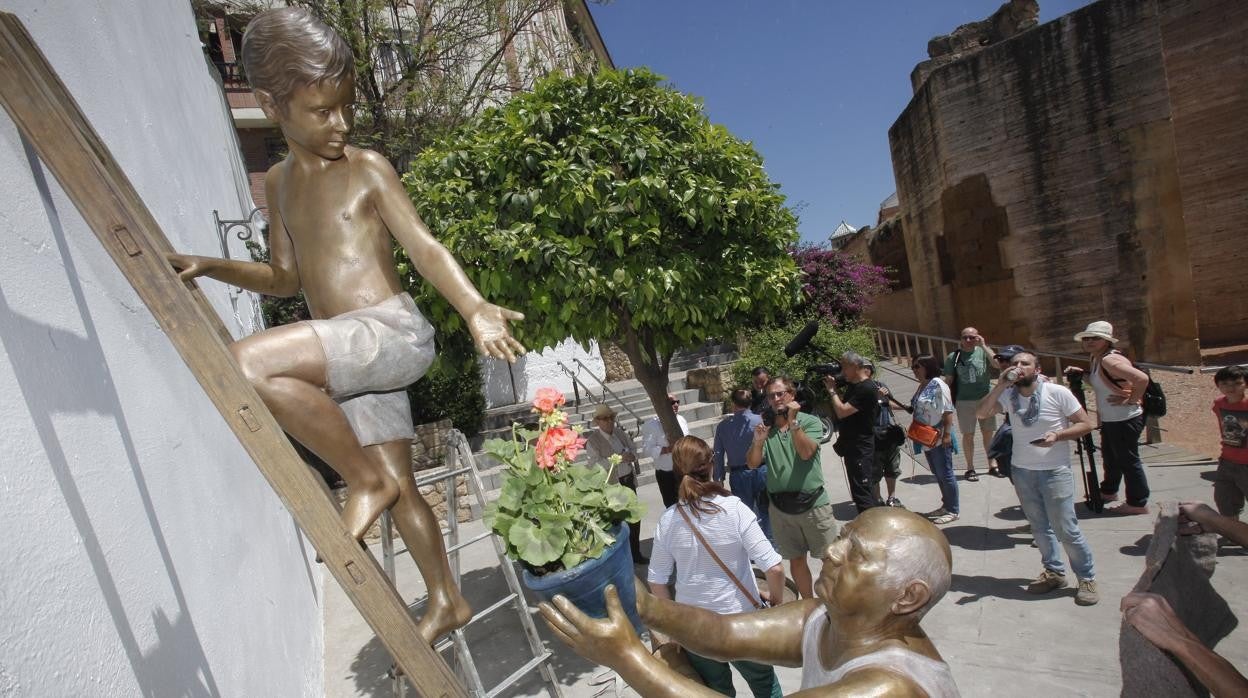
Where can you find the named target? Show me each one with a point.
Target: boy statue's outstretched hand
(489, 332)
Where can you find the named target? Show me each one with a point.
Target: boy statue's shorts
(372, 354)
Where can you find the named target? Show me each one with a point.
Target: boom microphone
(803, 338)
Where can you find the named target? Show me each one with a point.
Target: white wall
(540, 369)
(143, 552)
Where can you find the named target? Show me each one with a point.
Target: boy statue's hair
(288, 48)
(1230, 373)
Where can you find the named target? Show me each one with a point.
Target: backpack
(953, 384)
(1154, 402)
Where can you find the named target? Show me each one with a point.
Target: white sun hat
(1100, 329)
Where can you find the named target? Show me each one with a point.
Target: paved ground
(996, 637)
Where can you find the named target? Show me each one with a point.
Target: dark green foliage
(766, 348)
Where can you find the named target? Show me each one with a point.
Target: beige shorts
(809, 532)
(372, 354)
(967, 419)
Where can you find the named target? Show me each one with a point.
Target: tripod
(1085, 447)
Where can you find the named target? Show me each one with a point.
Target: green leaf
(537, 545)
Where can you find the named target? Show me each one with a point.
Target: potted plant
(561, 520)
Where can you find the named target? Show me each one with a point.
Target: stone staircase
(701, 416)
(711, 353)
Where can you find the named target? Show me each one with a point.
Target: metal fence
(898, 344)
(911, 344)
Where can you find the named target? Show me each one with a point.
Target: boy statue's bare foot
(445, 612)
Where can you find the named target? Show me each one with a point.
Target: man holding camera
(856, 413)
(801, 515)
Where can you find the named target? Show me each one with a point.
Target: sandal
(972, 476)
(945, 518)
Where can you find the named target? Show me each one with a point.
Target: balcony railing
(231, 72)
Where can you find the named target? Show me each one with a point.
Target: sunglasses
(673, 402)
(780, 393)
(969, 338)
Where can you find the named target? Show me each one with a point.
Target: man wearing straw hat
(607, 439)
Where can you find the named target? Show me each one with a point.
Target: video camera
(831, 368)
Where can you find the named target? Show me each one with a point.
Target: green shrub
(766, 348)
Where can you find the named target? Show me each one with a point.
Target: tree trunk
(654, 379)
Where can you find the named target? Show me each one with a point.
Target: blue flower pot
(584, 584)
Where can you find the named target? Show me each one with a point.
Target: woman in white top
(1119, 388)
(932, 405)
(731, 529)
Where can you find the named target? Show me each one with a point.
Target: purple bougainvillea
(836, 286)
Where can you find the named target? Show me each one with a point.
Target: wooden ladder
(52, 122)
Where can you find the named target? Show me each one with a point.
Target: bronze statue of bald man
(860, 637)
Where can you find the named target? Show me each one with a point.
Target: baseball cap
(1008, 351)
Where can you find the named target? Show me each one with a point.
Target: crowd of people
(777, 507)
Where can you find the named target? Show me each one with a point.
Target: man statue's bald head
(902, 557)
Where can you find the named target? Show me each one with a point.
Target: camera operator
(857, 413)
(801, 515)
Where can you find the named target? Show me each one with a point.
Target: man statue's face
(852, 566)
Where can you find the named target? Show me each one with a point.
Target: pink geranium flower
(556, 445)
(547, 400)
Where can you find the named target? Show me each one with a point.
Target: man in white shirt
(1045, 418)
(654, 444)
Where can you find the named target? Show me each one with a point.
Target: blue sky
(814, 84)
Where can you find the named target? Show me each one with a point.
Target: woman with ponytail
(708, 522)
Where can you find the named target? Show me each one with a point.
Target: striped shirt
(737, 539)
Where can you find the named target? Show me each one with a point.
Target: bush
(836, 287)
(450, 390)
(766, 348)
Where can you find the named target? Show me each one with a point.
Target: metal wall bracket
(246, 227)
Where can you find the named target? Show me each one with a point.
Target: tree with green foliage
(607, 206)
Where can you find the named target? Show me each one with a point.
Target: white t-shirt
(654, 440)
(1057, 405)
(736, 538)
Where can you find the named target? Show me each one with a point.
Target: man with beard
(1045, 418)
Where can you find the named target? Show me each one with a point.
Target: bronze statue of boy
(336, 383)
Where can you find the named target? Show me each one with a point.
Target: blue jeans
(750, 486)
(1048, 499)
(940, 460)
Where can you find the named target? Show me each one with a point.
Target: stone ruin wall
(1205, 46)
(1041, 186)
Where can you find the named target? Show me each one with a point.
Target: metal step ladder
(460, 461)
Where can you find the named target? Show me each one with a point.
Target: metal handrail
(609, 391)
(891, 342)
(1215, 369)
(896, 338)
(576, 381)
